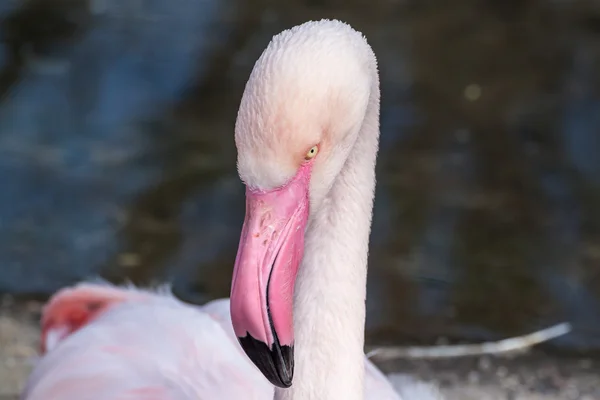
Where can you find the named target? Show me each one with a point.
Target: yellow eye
(311, 153)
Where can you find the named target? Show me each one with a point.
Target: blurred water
(75, 144)
(117, 155)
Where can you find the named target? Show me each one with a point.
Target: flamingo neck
(329, 298)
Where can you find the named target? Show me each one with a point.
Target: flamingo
(307, 136)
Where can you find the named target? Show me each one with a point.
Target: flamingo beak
(270, 251)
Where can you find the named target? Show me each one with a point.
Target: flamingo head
(299, 117)
(72, 308)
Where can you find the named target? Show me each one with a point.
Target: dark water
(117, 155)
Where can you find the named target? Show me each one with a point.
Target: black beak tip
(276, 364)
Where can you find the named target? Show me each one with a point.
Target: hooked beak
(270, 250)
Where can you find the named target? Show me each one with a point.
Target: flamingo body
(149, 345)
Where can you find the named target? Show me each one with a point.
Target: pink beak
(270, 250)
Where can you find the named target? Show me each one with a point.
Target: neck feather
(329, 299)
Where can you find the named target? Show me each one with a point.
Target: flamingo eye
(311, 153)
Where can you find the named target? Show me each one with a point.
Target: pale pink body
(155, 347)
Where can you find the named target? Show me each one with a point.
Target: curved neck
(329, 298)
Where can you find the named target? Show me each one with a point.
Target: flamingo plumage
(101, 341)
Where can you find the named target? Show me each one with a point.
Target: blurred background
(117, 156)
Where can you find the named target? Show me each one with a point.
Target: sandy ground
(532, 376)
(19, 338)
